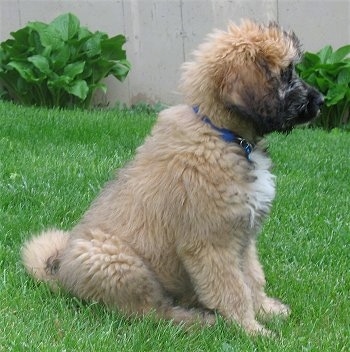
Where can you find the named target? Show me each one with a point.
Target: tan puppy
(175, 233)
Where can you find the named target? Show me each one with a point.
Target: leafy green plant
(329, 72)
(60, 63)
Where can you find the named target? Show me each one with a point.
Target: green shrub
(329, 72)
(60, 63)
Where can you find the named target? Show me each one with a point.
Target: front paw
(256, 329)
(272, 306)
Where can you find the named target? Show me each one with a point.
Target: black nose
(315, 97)
(319, 100)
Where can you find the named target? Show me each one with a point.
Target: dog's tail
(40, 255)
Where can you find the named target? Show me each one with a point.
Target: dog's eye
(287, 74)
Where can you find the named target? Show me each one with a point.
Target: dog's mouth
(302, 111)
(312, 108)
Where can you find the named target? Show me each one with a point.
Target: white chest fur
(262, 190)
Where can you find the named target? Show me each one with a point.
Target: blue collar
(228, 136)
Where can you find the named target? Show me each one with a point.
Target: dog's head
(248, 73)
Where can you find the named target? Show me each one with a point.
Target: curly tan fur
(175, 232)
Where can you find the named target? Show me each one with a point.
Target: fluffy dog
(175, 232)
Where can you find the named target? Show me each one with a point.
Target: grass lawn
(53, 163)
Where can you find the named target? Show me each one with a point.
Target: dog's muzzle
(315, 100)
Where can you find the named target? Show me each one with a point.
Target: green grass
(53, 163)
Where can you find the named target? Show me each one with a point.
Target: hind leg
(108, 270)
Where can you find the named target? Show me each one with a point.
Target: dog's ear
(231, 90)
(251, 92)
(239, 87)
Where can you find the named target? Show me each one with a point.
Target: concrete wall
(162, 33)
